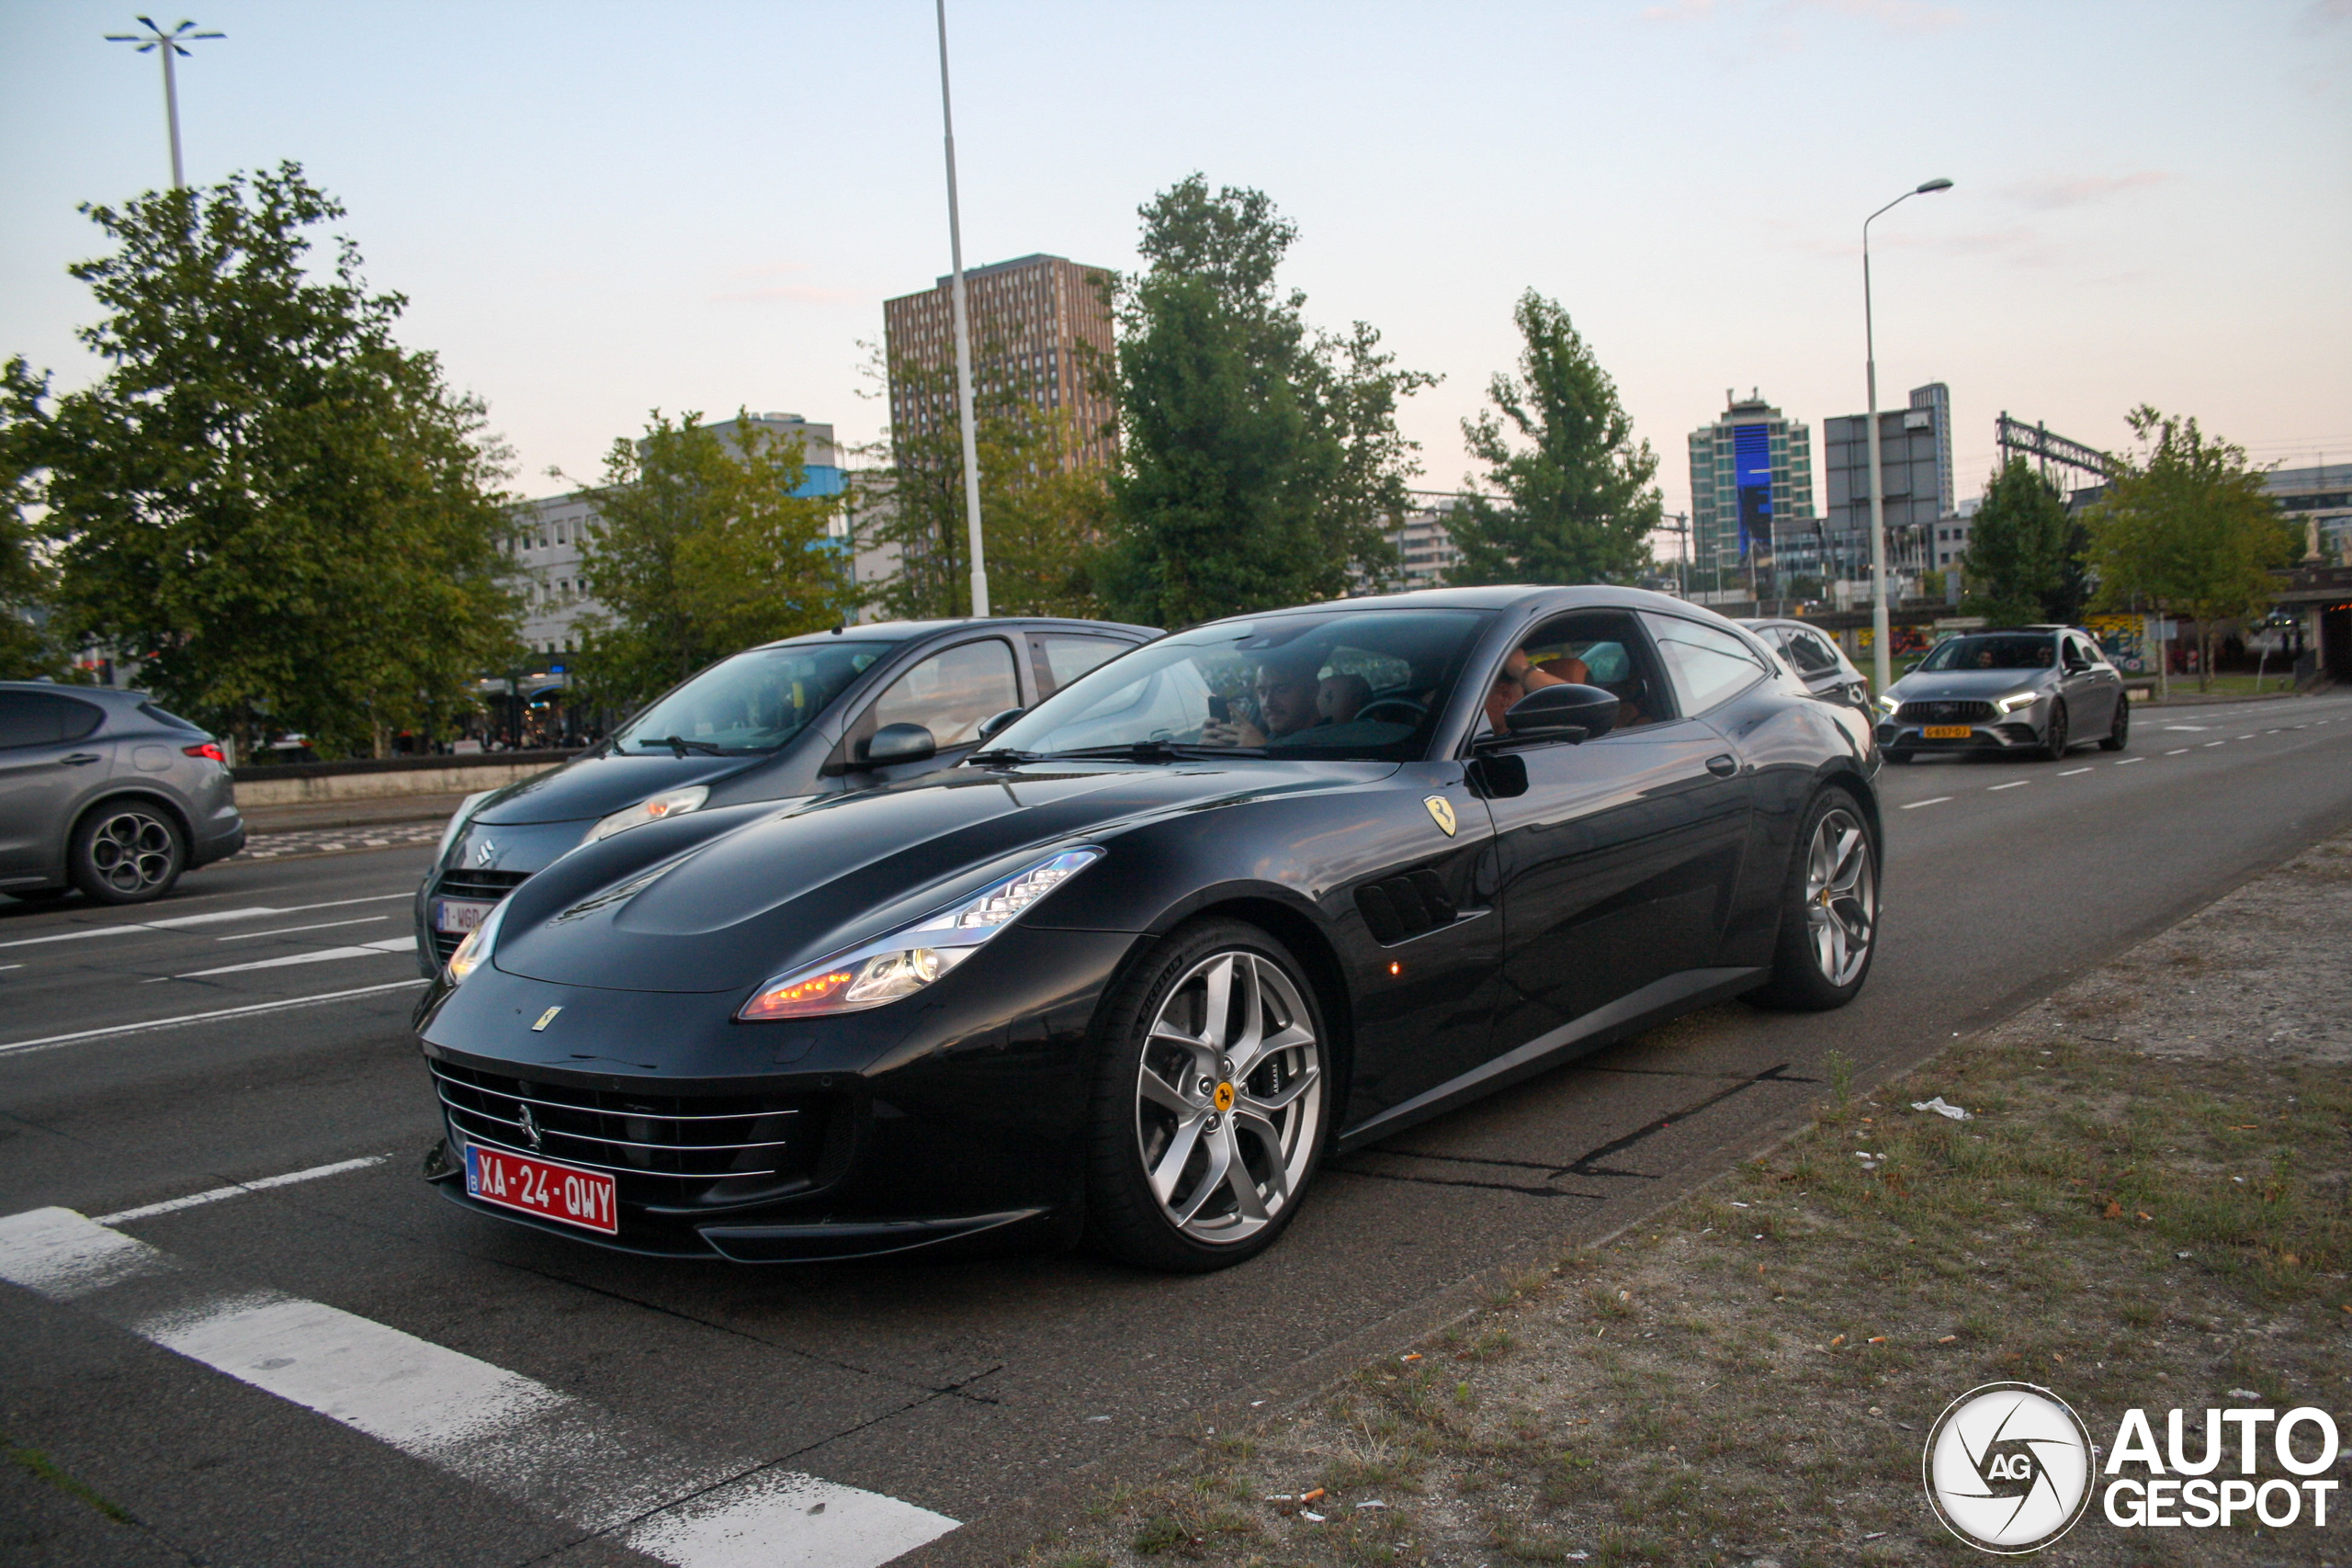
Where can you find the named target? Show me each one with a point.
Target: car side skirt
(1654, 1003)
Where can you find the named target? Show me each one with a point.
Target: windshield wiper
(1002, 754)
(679, 745)
(1155, 751)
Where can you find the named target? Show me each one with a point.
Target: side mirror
(896, 743)
(1567, 712)
(997, 721)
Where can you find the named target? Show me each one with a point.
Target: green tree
(2026, 556)
(28, 649)
(1260, 461)
(1042, 513)
(2187, 528)
(1577, 494)
(700, 549)
(288, 519)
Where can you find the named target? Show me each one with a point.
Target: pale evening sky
(597, 209)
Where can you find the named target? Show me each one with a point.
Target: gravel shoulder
(2147, 1206)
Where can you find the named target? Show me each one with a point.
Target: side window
(36, 718)
(1812, 655)
(1591, 647)
(950, 692)
(78, 718)
(1706, 665)
(1062, 657)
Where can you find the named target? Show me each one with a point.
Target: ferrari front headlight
(652, 809)
(909, 959)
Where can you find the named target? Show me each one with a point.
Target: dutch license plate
(459, 916)
(1947, 732)
(541, 1186)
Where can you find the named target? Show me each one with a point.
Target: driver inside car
(1287, 692)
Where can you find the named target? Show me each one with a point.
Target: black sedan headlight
(905, 961)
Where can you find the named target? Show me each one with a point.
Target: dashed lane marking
(2070, 773)
(2216, 743)
(2245, 737)
(1937, 800)
(321, 926)
(251, 912)
(2013, 784)
(2128, 761)
(365, 950)
(2177, 752)
(555, 1453)
(238, 1189)
(49, 1041)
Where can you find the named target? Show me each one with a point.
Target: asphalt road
(919, 1393)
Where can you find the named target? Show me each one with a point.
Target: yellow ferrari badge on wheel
(1442, 812)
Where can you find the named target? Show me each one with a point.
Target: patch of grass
(43, 1468)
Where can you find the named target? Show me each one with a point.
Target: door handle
(78, 758)
(1723, 767)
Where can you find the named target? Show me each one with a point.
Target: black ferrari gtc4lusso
(1264, 889)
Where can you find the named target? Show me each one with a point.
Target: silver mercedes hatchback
(2036, 691)
(103, 791)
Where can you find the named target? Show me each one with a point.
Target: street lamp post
(170, 43)
(1882, 664)
(963, 341)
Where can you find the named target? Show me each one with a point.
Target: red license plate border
(496, 1187)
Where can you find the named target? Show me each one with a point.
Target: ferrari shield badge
(1440, 812)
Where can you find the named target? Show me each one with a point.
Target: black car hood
(789, 887)
(589, 788)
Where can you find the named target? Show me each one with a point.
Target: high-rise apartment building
(1749, 470)
(1041, 329)
(1424, 541)
(1915, 474)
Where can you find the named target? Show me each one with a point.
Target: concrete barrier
(306, 784)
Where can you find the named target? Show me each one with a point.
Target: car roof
(910, 631)
(1505, 596)
(88, 694)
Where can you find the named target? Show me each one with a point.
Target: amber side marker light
(802, 997)
(1396, 968)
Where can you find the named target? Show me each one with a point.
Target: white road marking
(1937, 800)
(2245, 737)
(2194, 726)
(365, 950)
(2128, 761)
(251, 912)
(238, 1189)
(2069, 773)
(2216, 743)
(48, 1041)
(556, 1453)
(321, 926)
(2177, 752)
(2013, 784)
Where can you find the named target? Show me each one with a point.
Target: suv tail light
(209, 749)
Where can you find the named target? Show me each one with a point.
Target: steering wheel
(1403, 710)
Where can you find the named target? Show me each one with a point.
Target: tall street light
(170, 43)
(1880, 662)
(963, 341)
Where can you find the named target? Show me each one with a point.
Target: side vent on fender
(1401, 906)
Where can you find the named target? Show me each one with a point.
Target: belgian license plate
(459, 916)
(541, 1186)
(1947, 732)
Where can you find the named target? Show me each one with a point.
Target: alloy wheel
(1228, 1097)
(133, 851)
(1840, 897)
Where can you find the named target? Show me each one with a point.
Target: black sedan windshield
(754, 701)
(1992, 653)
(1348, 683)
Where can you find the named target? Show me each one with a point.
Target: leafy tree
(1260, 461)
(2187, 528)
(1577, 497)
(1042, 514)
(2026, 554)
(29, 649)
(700, 549)
(287, 517)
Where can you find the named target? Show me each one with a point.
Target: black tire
(2059, 737)
(127, 852)
(2120, 735)
(1802, 980)
(1145, 1064)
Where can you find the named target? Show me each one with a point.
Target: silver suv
(103, 791)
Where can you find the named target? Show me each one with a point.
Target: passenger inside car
(1588, 649)
(1339, 698)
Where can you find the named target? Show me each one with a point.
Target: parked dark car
(1267, 887)
(2040, 691)
(1815, 659)
(102, 790)
(794, 719)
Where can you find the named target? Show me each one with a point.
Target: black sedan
(1266, 888)
(794, 719)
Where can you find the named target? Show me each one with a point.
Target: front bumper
(956, 1114)
(2005, 735)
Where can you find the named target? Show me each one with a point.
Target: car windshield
(1992, 653)
(1351, 683)
(754, 701)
